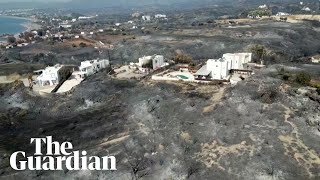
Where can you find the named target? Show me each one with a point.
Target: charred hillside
(263, 127)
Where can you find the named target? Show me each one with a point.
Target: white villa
(146, 18)
(159, 16)
(282, 14)
(237, 61)
(306, 9)
(90, 67)
(219, 69)
(156, 60)
(264, 6)
(315, 59)
(50, 76)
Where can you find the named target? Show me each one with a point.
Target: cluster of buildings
(231, 67)
(157, 16)
(215, 69)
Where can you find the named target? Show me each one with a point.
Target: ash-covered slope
(255, 130)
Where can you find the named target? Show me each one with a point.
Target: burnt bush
(83, 44)
(183, 58)
(269, 96)
(286, 77)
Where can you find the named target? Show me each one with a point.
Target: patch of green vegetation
(298, 78)
(286, 76)
(260, 12)
(303, 78)
(259, 51)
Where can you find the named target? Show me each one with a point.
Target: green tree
(83, 44)
(260, 52)
(303, 78)
(11, 39)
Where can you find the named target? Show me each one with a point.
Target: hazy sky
(5, 1)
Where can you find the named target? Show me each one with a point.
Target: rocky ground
(263, 128)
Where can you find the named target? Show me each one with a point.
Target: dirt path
(216, 98)
(295, 147)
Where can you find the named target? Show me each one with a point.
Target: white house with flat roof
(219, 69)
(146, 18)
(282, 14)
(156, 60)
(237, 61)
(90, 67)
(216, 69)
(50, 76)
(159, 16)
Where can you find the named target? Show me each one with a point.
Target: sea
(12, 25)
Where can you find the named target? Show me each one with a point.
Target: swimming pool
(182, 77)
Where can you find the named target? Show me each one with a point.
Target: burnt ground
(262, 128)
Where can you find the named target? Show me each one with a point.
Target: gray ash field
(262, 128)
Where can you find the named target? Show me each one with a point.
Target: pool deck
(174, 76)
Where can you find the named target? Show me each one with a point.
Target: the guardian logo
(59, 156)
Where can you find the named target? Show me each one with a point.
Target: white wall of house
(218, 68)
(160, 16)
(144, 60)
(234, 62)
(49, 76)
(146, 18)
(157, 62)
(237, 60)
(315, 60)
(88, 68)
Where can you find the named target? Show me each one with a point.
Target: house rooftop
(203, 71)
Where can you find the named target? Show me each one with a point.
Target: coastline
(31, 25)
(18, 17)
(28, 26)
